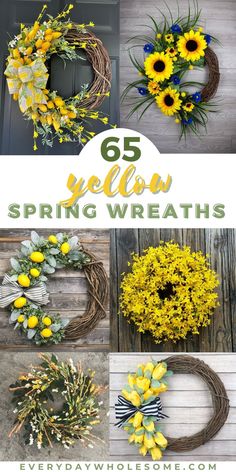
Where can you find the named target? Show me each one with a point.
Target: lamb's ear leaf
(15, 264)
(35, 237)
(31, 333)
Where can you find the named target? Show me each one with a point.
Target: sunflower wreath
(24, 288)
(44, 422)
(139, 408)
(176, 46)
(169, 292)
(27, 76)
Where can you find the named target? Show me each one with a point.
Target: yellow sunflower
(153, 87)
(192, 45)
(171, 51)
(158, 66)
(188, 106)
(169, 101)
(169, 38)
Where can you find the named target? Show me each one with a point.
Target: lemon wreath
(170, 292)
(139, 408)
(24, 288)
(27, 77)
(175, 47)
(45, 425)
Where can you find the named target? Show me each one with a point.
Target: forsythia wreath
(176, 46)
(139, 408)
(24, 288)
(170, 292)
(46, 425)
(27, 77)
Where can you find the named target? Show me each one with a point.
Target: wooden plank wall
(188, 405)
(218, 19)
(68, 291)
(220, 244)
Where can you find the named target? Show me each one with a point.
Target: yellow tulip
(159, 371)
(143, 450)
(138, 439)
(149, 367)
(48, 38)
(59, 102)
(143, 383)
(131, 438)
(133, 397)
(151, 427)
(149, 441)
(49, 120)
(131, 380)
(161, 440)
(72, 114)
(48, 31)
(147, 394)
(63, 111)
(156, 453)
(160, 389)
(50, 105)
(138, 418)
(43, 108)
(56, 125)
(56, 35)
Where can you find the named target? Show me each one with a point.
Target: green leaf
(31, 333)
(155, 384)
(15, 264)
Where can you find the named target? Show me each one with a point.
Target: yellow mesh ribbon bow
(27, 81)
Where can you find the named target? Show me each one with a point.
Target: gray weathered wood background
(220, 244)
(218, 19)
(188, 405)
(67, 288)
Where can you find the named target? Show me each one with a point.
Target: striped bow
(124, 410)
(10, 291)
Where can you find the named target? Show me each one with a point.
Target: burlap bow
(27, 81)
(10, 291)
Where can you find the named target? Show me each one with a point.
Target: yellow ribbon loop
(28, 82)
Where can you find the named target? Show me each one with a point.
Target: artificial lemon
(37, 256)
(46, 333)
(23, 280)
(21, 319)
(20, 302)
(35, 272)
(47, 321)
(52, 239)
(32, 321)
(65, 248)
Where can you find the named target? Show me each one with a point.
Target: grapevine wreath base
(24, 288)
(139, 408)
(44, 422)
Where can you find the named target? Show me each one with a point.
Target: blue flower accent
(208, 38)
(176, 29)
(197, 97)
(148, 48)
(142, 90)
(175, 79)
(187, 122)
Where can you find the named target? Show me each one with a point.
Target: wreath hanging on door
(56, 118)
(175, 46)
(24, 288)
(140, 410)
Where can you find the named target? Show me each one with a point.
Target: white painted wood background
(219, 19)
(187, 403)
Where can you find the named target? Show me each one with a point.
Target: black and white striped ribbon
(10, 291)
(124, 410)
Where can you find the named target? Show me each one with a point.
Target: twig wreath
(175, 46)
(45, 423)
(24, 288)
(169, 292)
(139, 408)
(27, 77)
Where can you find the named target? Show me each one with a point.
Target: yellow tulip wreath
(27, 78)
